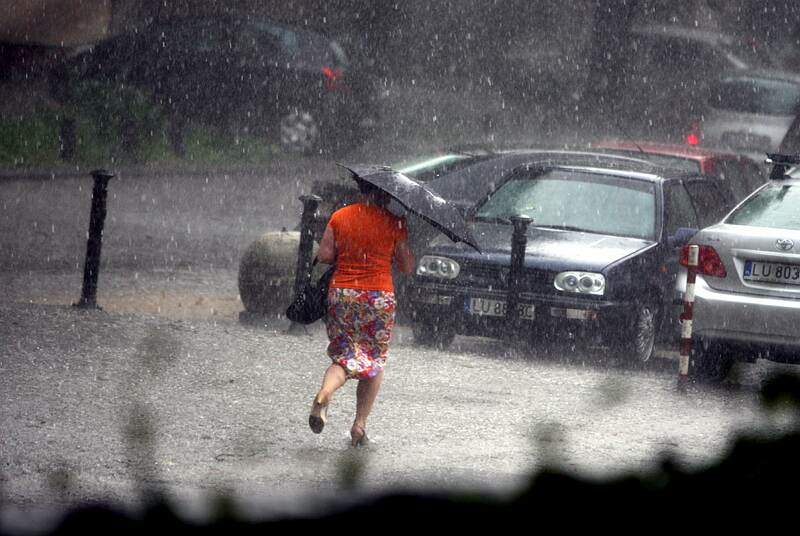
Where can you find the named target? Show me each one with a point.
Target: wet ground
(165, 389)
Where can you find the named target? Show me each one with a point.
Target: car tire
(639, 337)
(709, 363)
(432, 335)
(299, 131)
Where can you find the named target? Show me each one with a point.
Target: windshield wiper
(492, 219)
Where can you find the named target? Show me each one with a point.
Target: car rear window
(774, 206)
(756, 95)
(577, 200)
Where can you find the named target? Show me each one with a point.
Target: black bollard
(91, 267)
(519, 242)
(302, 272)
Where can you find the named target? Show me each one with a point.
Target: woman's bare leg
(366, 392)
(333, 379)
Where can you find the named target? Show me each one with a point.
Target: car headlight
(432, 266)
(581, 282)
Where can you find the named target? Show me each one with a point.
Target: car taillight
(333, 78)
(709, 261)
(694, 135)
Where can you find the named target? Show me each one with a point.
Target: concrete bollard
(686, 317)
(97, 218)
(519, 243)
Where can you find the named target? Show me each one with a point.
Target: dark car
(294, 84)
(664, 72)
(601, 258)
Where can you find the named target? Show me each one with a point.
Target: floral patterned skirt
(359, 324)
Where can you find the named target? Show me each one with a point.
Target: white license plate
(489, 307)
(772, 272)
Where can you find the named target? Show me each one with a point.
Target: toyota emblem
(784, 244)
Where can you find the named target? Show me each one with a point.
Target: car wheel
(432, 335)
(299, 131)
(709, 362)
(639, 340)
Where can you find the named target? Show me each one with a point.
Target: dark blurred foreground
(752, 483)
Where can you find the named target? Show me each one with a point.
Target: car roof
(668, 149)
(472, 183)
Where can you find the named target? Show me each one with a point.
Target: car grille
(495, 277)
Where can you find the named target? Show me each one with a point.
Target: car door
(710, 201)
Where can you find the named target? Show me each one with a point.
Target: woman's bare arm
(404, 257)
(327, 247)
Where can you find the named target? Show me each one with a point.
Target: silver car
(749, 111)
(747, 292)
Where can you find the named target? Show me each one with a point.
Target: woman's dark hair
(365, 187)
(377, 196)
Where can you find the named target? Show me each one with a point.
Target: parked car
(738, 174)
(748, 111)
(294, 84)
(747, 289)
(664, 72)
(601, 257)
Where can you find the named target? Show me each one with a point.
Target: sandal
(318, 416)
(358, 436)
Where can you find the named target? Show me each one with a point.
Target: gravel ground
(110, 406)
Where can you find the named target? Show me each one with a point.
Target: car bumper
(735, 319)
(542, 315)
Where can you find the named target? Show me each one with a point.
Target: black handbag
(311, 303)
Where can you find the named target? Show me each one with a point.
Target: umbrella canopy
(417, 199)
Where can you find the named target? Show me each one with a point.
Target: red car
(742, 174)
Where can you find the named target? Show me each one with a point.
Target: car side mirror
(681, 237)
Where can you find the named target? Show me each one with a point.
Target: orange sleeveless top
(365, 237)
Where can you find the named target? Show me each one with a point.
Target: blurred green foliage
(115, 124)
(29, 141)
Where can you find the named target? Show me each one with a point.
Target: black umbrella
(418, 199)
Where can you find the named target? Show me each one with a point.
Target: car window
(577, 200)
(679, 208)
(741, 178)
(260, 46)
(302, 46)
(709, 201)
(774, 206)
(681, 56)
(756, 95)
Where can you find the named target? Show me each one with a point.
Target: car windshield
(756, 95)
(577, 200)
(774, 206)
